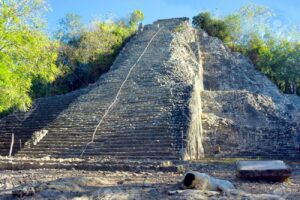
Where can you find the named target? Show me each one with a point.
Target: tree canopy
(86, 52)
(214, 27)
(25, 52)
(33, 65)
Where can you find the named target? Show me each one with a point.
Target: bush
(214, 27)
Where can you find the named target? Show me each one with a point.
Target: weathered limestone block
(194, 148)
(273, 170)
(36, 138)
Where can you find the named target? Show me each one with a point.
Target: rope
(119, 91)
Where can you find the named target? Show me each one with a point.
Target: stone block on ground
(271, 170)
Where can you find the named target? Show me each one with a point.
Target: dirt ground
(139, 185)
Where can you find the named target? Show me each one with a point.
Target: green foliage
(234, 25)
(280, 62)
(178, 29)
(214, 27)
(70, 28)
(25, 52)
(135, 18)
(86, 53)
(248, 31)
(272, 54)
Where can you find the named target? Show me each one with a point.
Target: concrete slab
(270, 170)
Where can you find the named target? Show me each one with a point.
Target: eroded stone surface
(36, 138)
(244, 113)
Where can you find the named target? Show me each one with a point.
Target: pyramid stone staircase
(173, 93)
(24, 124)
(140, 109)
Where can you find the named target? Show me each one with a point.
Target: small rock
(279, 191)
(237, 192)
(120, 182)
(265, 196)
(23, 191)
(167, 164)
(181, 168)
(172, 192)
(147, 185)
(8, 185)
(211, 193)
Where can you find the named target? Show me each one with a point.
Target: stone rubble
(244, 113)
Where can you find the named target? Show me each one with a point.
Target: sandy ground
(141, 185)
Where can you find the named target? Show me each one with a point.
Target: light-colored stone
(36, 138)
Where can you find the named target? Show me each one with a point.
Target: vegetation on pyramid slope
(274, 52)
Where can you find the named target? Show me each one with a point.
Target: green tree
(286, 66)
(70, 28)
(135, 18)
(234, 25)
(91, 51)
(272, 54)
(214, 27)
(255, 18)
(25, 52)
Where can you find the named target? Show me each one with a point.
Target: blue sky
(288, 10)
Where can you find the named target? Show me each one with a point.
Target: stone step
(108, 141)
(132, 158)
(112, 142)
(95, 153)
(112, 135)
(75, 123)
(103, 149)
(153, 145)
